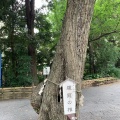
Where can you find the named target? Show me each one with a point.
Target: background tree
(104, 27)
(103, 51)
(18, 74)
(45, 43)
(104, 40)
(13, 44)
(30, 16)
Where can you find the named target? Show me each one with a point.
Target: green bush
(92, 76)
(114, 72)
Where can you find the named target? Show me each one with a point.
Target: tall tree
(105, 26)
(104, 31)
(69, 59)
(13, 43)
(30, 16)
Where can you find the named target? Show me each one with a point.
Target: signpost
(69, 98)
(46, 71)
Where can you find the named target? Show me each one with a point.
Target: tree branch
(103, 35)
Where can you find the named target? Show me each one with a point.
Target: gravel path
(100, 103)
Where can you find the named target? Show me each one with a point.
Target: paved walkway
(101, 103)
(17, 110)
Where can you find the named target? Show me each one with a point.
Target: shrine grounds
(100, 103)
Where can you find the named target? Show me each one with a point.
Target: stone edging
(25, 92)
(15, 93)
(98, 82)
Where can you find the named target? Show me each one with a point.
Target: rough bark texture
(69, 59)
(36, 99)
(30, 15)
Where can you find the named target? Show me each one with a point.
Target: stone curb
(98, 82)
(25, 92)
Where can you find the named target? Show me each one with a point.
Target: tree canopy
(103, 54)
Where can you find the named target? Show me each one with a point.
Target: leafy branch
(103, 35)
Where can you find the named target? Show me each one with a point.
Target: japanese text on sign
(69, 97)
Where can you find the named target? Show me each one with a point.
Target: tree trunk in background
(69, 59)
(92, 69)
(30, 15)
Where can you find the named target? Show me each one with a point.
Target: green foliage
(106, 54)
(56, 16)
(104, 35)
(92, 76)
(45, 43)
(106, 18)
(20, 75)
(24, 77)
(104, 39)
(13, 44)
(23, 66)
(41, 78)
(113, 71)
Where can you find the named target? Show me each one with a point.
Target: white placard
(46, 70)
(69, 96)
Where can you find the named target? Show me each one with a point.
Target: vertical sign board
(69, 96)
(46, 70)
(0, 70)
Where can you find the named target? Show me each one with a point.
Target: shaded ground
(101, 103)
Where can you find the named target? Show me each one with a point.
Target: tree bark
(30, 15)
(69, 59)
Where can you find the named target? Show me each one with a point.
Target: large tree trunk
(69, 59)
(30, 15)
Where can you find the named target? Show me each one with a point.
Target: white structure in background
(1, 24)
(46, 70)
